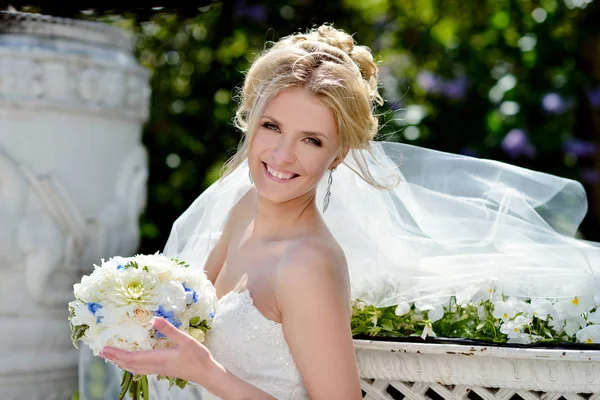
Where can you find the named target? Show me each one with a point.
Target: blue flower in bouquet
(169, 316)
(94, 307)
(192, 296)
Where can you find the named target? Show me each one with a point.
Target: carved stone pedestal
(391, 370)
(72, 184)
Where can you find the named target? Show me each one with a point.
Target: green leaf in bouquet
(77, 333)
(195, 321)
(132, 264)
(180, 263)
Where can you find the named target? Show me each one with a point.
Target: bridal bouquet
(114, 306)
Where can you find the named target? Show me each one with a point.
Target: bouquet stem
(135, 385)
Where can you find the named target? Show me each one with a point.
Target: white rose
(197, 334)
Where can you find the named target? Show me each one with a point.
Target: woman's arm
(313, 298)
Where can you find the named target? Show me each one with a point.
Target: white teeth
(279, 175)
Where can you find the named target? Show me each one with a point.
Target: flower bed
(487, 316)
(480, 346)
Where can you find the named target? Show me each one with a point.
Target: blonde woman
(283, 325)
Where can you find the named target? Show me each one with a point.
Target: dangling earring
(250, 177)
(328, 192)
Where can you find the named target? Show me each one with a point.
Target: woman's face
(295, 144)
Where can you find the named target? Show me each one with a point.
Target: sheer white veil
(452, 222)
(451, 225)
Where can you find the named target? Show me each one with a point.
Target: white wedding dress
(253, 348)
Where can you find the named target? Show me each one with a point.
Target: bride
(311, 213)
(282, 329)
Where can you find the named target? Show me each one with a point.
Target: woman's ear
(340, 158)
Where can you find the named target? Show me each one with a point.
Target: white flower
(590, 334)
(594, 317)
(428, 331)
(197, 334)
(573, 324)
(514, 328)
(95, 287)
(506, 310)
(360, 304)
(575, 306)
(434, 307)
(520, 338)
(110, 315)
(402, 309)
(144, 317)
(542, 308)
(481, 313)
(82, 315)
(128, 335)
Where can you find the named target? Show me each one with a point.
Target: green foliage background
(468, 77)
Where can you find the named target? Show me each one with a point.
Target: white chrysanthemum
(155, 263)
(96, 286)
(135, 286)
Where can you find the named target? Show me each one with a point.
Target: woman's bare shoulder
(314, 262)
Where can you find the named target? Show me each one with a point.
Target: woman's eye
(313, 141)
(271, 126)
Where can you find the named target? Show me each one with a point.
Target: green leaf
(77, 333)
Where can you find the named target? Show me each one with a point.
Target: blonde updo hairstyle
(327, 62)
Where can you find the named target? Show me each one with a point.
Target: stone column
(73, 178)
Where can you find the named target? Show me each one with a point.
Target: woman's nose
(284, 151)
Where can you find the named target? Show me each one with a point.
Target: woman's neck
(280, 220)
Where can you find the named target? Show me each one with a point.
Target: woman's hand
(189, 360)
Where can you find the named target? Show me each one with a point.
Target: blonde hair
(327, 62)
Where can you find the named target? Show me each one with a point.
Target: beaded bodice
(253, 348)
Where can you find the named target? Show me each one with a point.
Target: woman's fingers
(139, 362)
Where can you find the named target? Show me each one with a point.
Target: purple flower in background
(553, 103)
(590, 175)
(256, 13)
(516, 144)
(594, 97)
(455, 89)
(581, 148)
(429, 82)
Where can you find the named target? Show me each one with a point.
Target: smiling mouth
(280, 176)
